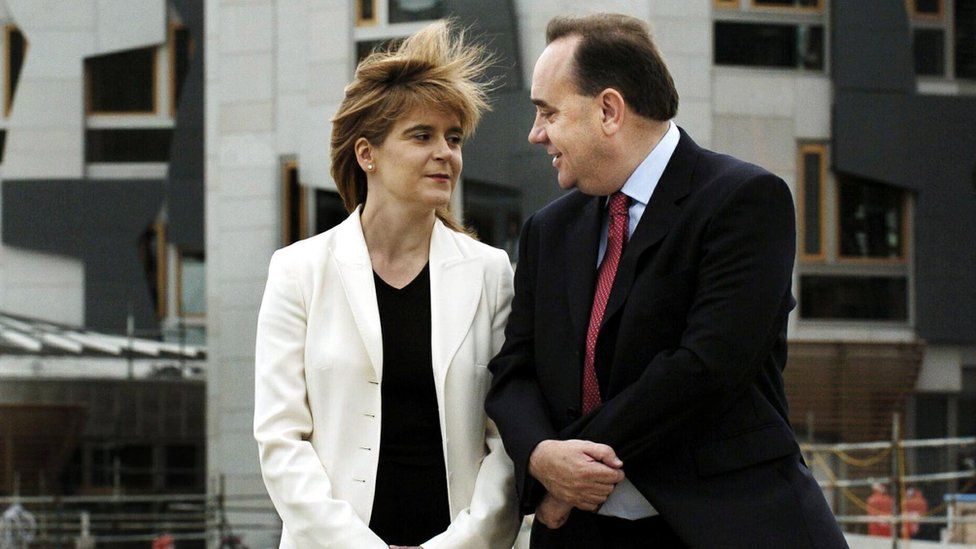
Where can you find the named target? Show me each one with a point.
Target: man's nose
(537, 135)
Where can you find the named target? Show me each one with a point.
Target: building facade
(864, 107)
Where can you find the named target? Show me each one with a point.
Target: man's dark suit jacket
(689, 357)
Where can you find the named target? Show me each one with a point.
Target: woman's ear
(364, 155)
(612, 106)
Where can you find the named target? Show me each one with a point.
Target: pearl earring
(369, 167)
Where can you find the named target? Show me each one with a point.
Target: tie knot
(619, 202)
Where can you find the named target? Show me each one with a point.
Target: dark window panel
(929, 48)
(965, 46)
(406, 11)
(16, 49)
(329, 210)
(3, 143)
(769, 45)
(787, 3)
(494, 212)
(128, 145)
(193, 295)
(812, 189)
(121, 82)
(835, 297)
(927, 7)
(294, 226)
(366, 47)
(871, 219)
(366, 10)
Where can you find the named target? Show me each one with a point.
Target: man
(654, 379)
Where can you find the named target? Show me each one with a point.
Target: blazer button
(572, 412)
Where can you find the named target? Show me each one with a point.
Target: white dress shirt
(626, 501)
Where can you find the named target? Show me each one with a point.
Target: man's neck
(636, 144)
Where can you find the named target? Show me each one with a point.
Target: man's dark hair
(616, 51)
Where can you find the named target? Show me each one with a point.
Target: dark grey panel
(500, 152)
(99, 222)
(184, 192)
(869, 45)
(494, 22)
(883, 130)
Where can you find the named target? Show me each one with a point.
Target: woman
(373, 337)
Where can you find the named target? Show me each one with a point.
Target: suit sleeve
(296, 481)
(515, 401)
(742, 294)
(492, 518)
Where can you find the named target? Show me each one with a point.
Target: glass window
(365, 12)
(871, 219)
(183, 466)
(406, 11)
(927, 7)
(193, 297)
(16, 49)
(965, 46)
(813, 166)
(929, 49)
(769, 45)
(329, 210)
(121, 82)
(853, 297)
(128, 145)
(494, 212)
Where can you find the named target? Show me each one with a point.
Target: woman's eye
(455, 139)
(422, 136)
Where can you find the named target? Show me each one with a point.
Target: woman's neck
(398, 241)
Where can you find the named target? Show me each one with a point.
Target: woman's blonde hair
(433, 69)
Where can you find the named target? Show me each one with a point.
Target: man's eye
(422, 136)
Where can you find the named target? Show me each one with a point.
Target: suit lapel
(579, 256)
(456, 285)
(660, 213)
(356, 275)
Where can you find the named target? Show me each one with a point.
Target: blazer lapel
(456, 285)
(579, 255)
(351, 258)
(659, 215)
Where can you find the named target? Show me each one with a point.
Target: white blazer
(319, 365)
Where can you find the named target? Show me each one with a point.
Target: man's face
(566, 123)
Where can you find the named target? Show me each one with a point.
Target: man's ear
(613, 109)
(364, 154)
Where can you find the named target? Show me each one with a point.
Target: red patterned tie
(616, 238)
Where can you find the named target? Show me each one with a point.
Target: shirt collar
(641, 184)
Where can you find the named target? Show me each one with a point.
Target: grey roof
(25, 336)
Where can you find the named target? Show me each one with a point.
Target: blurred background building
(118, 224)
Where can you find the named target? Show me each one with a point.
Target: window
(365, 12)
(812, 172)
(152, 254)
(192, 284)
(128, 145)
(408, 11)
(853, 244)
(15, 48)
(769, 45)
(494, 212)
(329, 210)
(944, 47)
(789, 4)
(294, 219)
(366, 47)
(872, 220)
(123, 82)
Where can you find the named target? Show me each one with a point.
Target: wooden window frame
(726, 4)
(162, 271)
(8, 91)
(916, 16)
(179, 285)
(855, 260)
(155, 93)
(821, 150)
(286, 198)
(362, 22)
(819, 8)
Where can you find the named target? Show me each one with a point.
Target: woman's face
(418, 164)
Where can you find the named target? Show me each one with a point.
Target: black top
(410, 504)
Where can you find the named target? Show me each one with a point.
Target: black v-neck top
(410, 503)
